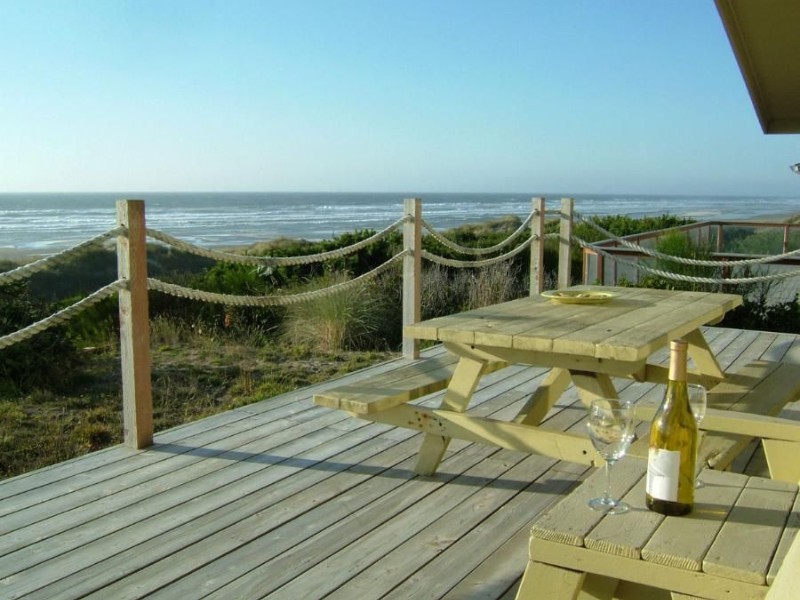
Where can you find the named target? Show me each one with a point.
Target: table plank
(750, 536)
(571, 319)
(572, 520)
(683, 542)
(681, 314)
(633, 310)
(627, 535)
(584, 560)
(461, 327)
(789, 535)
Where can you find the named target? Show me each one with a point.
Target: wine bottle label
(663, 472)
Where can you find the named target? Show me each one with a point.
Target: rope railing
(448, 243)
(284, 300)
(26, 271)
(272, 300)
(272, 261)
(461, 264)
(62, 315)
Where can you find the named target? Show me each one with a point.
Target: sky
(535, 96)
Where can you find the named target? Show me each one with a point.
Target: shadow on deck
(284, 499)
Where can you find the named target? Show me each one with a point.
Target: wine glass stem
(608, 499)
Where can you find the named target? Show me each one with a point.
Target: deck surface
(284, 499)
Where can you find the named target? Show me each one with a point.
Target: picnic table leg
(703, 357)
(782, 459)
(593, 385)
(546, 581)
(456, 398)
(707, 373)
(543, 399)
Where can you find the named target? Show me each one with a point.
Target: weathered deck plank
(284, 499)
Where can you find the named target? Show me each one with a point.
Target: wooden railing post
(785, 239)
(412, 272)
(537, 247)
(565, 244)
(134, 325)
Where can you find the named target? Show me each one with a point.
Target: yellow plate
(578, 296)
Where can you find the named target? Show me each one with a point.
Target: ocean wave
(52, 222)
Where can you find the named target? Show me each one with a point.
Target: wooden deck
(283, 499)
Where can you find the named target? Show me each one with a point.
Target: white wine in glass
(610, 426)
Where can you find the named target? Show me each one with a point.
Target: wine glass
(697, 402)
(610, 427)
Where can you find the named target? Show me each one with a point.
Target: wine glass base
(608, 506)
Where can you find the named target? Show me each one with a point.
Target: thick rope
(63, 315)
(48, 261)
(461, 264)
(264, 301)
(477, 251)
(688, 261)
(689, 278)
(271, 261)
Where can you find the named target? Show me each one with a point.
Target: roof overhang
(765, 36)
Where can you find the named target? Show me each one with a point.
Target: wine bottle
(673, 443)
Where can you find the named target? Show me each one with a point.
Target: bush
(495, 284)
(444, 291)
(346, 320)
(48, 359)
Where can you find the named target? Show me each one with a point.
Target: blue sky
(538, 96)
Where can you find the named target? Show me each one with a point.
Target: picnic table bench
(386, 390)
(740, 408)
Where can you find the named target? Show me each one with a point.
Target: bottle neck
(677, 361)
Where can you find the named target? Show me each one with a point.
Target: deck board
(285, 499)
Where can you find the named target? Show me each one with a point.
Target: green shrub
(444, 291)
(48, 359)
(346, 320)
(496, 283)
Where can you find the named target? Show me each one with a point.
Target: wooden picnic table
(737, 544)
(584, 344)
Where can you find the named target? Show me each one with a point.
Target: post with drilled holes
(537, 247)
(134, 325)
(412, 272)
(564, 244)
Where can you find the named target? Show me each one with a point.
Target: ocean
(43, 223)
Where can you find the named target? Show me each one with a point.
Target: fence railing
(133, 283)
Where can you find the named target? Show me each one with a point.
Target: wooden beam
(137, 400)
(537, 247)
(412, 273)
(565, 244)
